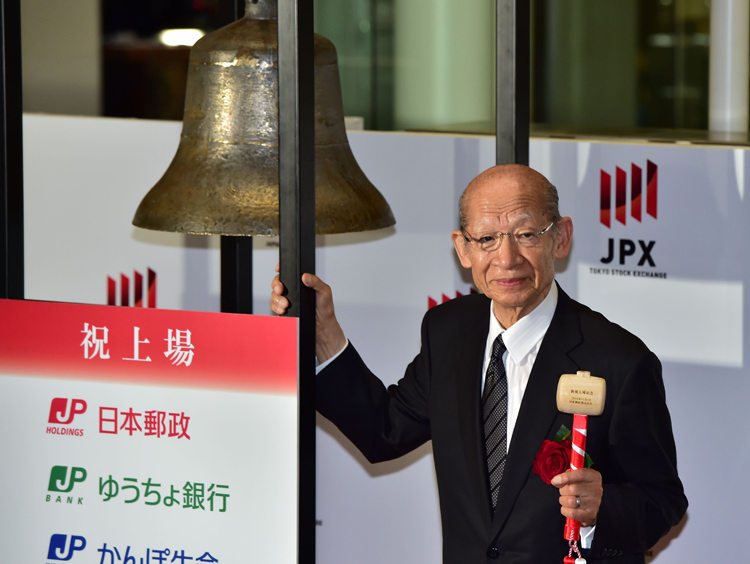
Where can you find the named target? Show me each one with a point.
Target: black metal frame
(513, 111)
(296, 237)
(297, 233)
(236, 274)
(11, 153)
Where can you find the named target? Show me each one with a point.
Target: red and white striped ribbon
(577, 461)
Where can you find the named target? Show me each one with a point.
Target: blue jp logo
(59, 549)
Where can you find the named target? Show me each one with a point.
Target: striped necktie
(495, 411)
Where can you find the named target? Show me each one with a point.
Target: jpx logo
(62, 550)
(141, 286)
(59, 481)
(636, 195)
(433, 303)
(625, 248)
(62, 411)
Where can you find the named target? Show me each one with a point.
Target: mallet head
(581, 394)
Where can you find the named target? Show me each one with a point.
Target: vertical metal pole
(236, 274)
(237, 255)
(513, 84)
(297, 233)
(11, 153)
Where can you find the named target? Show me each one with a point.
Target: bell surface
(224, 179)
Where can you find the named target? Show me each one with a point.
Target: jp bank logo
(636, 200)
(62, 410)
(60, 549)
(60, 480)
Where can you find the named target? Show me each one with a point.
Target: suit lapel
(538, 407)
(469, 367)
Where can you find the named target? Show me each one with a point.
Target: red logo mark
(137, 290)
(61, 415)
(432, 303)
(621, 196)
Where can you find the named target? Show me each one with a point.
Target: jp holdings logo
(62, 550)
(62, 411)
(625, 248)
(139, 290)
(62, 480)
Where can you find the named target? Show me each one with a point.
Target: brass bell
(224, 179)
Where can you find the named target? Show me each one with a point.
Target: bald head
(522, 175)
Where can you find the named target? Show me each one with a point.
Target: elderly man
(483, 389)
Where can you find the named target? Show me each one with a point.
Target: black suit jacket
(631, 443)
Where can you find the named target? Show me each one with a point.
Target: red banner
(149, 346)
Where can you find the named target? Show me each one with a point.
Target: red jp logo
(61, 414)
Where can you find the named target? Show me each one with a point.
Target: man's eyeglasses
(521, 237)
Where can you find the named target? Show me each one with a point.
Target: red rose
(551, 459)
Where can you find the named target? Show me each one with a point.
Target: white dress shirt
(522, 340)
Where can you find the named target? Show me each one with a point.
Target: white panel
(83, 180)
(85, 177)
(213, 455)
(693, 321)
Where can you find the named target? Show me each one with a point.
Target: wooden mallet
(580, 394)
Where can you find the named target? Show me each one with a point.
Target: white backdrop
(85, 178)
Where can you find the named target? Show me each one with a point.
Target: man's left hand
(584, 484)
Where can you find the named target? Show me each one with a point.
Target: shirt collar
(528, 331)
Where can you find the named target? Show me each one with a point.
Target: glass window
(620, 66)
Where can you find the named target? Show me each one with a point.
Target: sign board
(142, 436)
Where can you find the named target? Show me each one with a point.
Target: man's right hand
(329, 338)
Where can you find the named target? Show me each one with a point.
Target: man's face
(516, 278)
